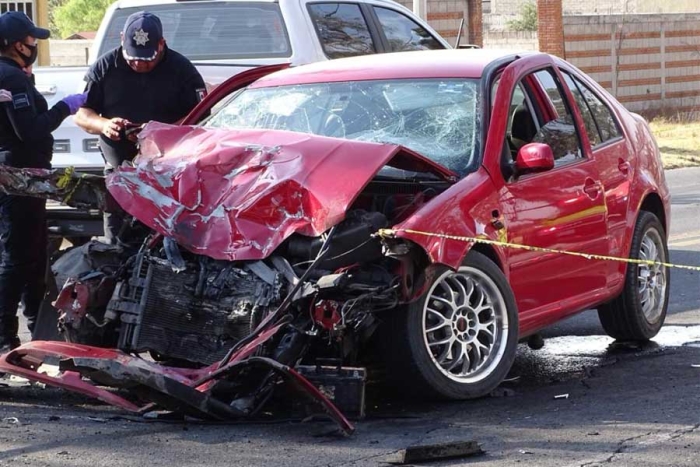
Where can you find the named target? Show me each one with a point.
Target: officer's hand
(5, 95)
(113, 127)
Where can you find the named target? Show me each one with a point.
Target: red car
(328, 208)
(526, 149)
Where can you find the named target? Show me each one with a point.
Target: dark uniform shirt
(26, 123)
(165, 94)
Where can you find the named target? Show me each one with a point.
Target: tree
(527, 20)
(54, 5)
(79, 15)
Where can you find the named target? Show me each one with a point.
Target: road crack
(623, 446)
(682, 432)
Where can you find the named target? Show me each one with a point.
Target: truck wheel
(640, 310)
(459, 340)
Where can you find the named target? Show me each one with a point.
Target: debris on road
(433, 452)
(523, 451)
(12, 420)
(502, 392)
(562, 396)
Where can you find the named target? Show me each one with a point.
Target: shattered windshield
(433, 117)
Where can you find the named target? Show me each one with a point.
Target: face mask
(31, 58)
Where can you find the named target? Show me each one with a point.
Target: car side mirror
(534, 157)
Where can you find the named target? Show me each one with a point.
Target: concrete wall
(651, 63)
(674, 6)
(69, 53)
(526, 40)
(604, 7)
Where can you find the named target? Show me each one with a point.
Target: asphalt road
(619, 405)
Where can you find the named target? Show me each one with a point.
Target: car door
(611, 153)
(562, 208)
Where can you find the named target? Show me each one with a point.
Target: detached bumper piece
(75, 189)
(87, 370)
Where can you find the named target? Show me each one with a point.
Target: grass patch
(679, 142)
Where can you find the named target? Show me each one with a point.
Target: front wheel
(459, 340)
(640, 310)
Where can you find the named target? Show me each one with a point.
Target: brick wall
(651, 63)
(550, 31)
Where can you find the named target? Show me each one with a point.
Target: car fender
(469, 208)
(648, 178)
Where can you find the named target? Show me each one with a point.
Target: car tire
(432, 351)
(638, 313)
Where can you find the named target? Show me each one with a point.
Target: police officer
(140, 81)
(26, 123)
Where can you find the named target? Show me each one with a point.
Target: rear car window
(214, 31)
(596, 115)
(342, 29)
(403, 33)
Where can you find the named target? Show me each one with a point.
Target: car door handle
(497, 220)
(47, 89)
(592, 188)
(624, 166)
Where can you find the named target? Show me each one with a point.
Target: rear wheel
(459, 340)
(640, 310)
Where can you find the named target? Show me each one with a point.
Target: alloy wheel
(465, 325)
(651, 279)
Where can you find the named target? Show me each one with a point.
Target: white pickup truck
(223, 38)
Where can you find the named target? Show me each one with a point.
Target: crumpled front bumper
(182, 390)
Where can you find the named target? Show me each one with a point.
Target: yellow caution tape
(388, 233)
(64, 179)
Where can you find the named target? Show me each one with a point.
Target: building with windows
(38, 11)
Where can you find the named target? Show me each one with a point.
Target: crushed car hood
(238, 194)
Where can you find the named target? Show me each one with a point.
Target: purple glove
(75, 101)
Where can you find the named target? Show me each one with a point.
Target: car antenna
(459, 33)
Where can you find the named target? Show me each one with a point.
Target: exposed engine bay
(232, 330)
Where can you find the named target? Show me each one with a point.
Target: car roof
(455, 63)
(147, 3)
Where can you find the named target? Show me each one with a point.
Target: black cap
(15, 26)
(142, 33)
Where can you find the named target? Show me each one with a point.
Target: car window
(403, 33)
(599, 114)
(342, 29)
(588, 120)
(557, 128)
(213, 31)
(522, 121)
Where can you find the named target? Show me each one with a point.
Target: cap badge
(141, 37)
